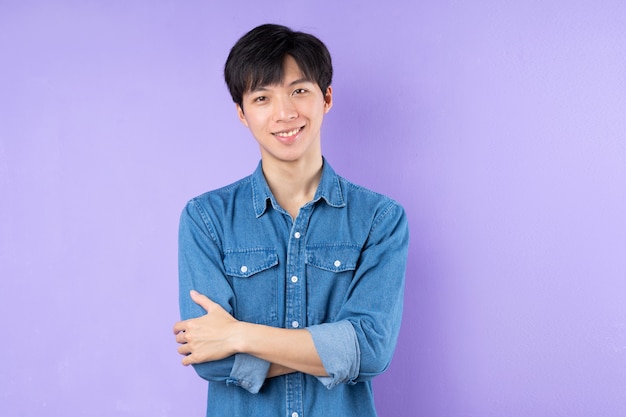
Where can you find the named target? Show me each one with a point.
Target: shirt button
(294, 279)
(294, 414)
(337, 264)
(244, 269)
(295, 324)
(297, 235)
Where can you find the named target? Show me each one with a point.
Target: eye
(298, 91)
(260, 99)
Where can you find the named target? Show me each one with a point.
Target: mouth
(287, 134)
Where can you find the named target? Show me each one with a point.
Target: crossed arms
(218, 335)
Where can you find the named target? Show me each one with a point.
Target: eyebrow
(299, 80)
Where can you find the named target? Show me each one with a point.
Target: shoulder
(223, 194)
(358, 194)
(382, 218)
(376, 208)
(220, 200)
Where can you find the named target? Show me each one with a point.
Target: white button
(295, 324)
(337, 264)
(294, 279)
(297, 235)
(244, 269)
(294, 414)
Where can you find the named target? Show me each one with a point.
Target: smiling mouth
(289, 133)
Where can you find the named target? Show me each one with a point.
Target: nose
(284, 109)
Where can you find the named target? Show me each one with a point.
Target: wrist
(278, 370)
(240, 337)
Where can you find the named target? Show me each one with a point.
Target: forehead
(285, 74)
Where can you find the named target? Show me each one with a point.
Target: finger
(202, 300)
(180, 326)
(184, 349)
(181, 337)
(188, 360)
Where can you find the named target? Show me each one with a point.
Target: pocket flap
(334, 258)
(244, 263)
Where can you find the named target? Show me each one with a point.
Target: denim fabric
(337, 270)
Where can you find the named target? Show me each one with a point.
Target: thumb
(202, 300)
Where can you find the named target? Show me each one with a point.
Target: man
(291, 279)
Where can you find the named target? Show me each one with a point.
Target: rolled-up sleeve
(249, 372)
(338, 348)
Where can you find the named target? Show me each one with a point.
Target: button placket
(296, 300)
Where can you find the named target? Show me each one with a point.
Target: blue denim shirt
(337, 270)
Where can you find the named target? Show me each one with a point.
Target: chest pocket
(253, 274)
(330, 269)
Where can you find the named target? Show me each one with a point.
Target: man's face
(285, 119)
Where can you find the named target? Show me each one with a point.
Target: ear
(328, 99)
(241, 115)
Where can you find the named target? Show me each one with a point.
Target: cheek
(321, 112)
(257, 118)
(253, 123)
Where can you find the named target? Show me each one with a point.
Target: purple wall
(502, 130)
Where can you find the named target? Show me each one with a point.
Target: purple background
(500, 128)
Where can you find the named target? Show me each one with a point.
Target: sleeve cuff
(249, 372)
(338, 348)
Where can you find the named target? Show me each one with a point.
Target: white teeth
(287, 134)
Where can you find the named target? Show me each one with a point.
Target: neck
(294, 183)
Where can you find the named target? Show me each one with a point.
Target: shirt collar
(329, 189)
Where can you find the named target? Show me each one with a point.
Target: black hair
(257, 59)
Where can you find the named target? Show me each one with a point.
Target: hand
(207, 338)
